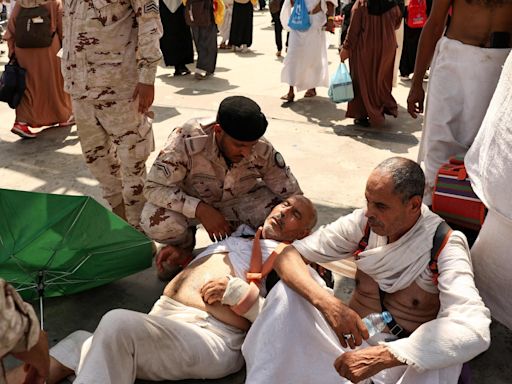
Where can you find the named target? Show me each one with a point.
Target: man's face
(232, 149)
(289, 220)
(387, 214)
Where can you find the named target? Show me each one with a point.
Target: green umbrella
(52, 245)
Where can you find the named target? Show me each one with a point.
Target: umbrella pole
(40, 292)
(41, 313)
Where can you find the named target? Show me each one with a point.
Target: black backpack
(33, 28)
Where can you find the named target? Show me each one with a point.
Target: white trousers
(172, 342)
(291, 343)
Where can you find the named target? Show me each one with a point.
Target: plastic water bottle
(376, 322)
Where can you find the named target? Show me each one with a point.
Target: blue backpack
(299, 19)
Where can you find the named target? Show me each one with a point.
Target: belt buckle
(396, 330)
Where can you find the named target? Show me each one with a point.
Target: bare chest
(411, 306)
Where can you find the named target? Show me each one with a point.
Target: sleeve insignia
(151, 6)
(278, 158)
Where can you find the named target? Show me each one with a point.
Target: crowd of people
(214, 314)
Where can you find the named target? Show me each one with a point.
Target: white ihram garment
(489, 165)
(172, 342)
(305, 64)
(462, 81)
(291, 342)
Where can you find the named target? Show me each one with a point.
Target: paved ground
(330, 157)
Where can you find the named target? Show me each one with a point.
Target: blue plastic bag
(340, 88)
(299, 19)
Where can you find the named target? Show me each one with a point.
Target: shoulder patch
(151, 6)
(278, 158)
(196, 144)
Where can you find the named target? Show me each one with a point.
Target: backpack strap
(441, 237)
(363, 243)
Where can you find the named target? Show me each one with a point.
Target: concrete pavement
(331, 158)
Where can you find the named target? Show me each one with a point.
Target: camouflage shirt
(109, 46)
(191, 169)
(19, 327)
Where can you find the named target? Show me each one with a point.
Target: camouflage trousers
(170, 227)
(116, 140)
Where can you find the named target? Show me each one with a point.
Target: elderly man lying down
(182, 336)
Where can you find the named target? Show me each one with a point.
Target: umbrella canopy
(60, 244)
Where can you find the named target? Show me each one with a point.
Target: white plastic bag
(340, 88)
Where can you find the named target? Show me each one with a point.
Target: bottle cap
(387, 317)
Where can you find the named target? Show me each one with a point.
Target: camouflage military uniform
(191, 169)
(109, 46)
(19, 327)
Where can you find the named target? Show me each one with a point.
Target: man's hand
(37, 361)
(213, 290)
(213, 221)
(415, 100)
(364, 363)
(345, 322)
(146, 95)
(172, 256)
(344, 54)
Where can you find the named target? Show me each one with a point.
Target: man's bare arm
(293, 271)
(430, 35)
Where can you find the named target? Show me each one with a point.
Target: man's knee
(119, 327)
(164, 225)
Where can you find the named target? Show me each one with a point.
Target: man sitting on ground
(183, 336)
(440, 319)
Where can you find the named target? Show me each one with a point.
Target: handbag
(12, 83)
(416, 13)
(299, 19)
(340, 87)
(454, 198)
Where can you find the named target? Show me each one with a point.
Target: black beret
(241, 118)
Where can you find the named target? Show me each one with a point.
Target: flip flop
(288, 98)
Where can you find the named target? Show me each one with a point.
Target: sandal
(310, 93)
(288, 97)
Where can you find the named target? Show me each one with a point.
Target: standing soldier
(220, 175)
(110, 56)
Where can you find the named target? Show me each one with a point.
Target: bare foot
(58, 372)
(310, 93)
(171, 260)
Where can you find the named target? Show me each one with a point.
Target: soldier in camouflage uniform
(110, 56)
(220, 175)
(21, 336)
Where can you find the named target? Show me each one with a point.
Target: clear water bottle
(376, 322)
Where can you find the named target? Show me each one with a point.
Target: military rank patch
(151, 6)
(278, 158)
